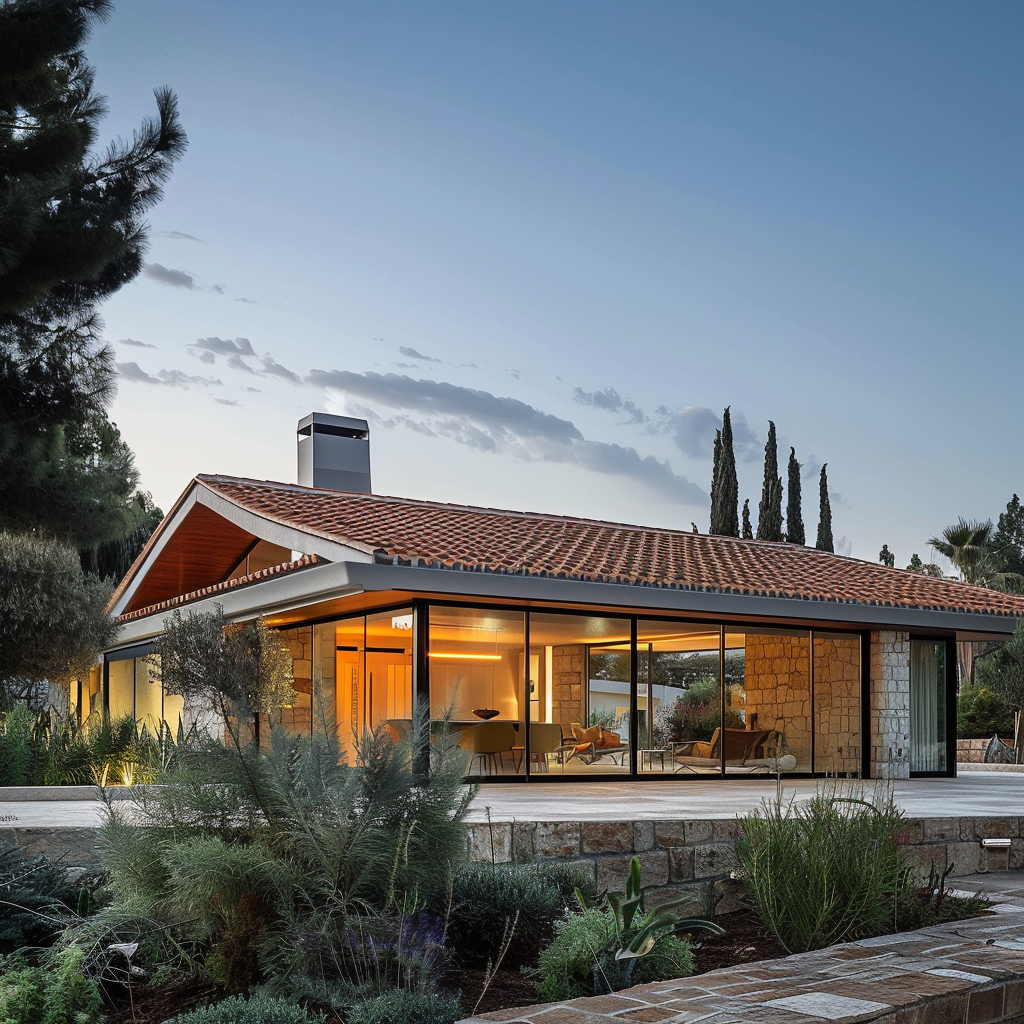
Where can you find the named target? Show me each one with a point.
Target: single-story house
(562, 647)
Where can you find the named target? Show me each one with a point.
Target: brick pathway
(966, 971)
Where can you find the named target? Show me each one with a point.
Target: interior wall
(568, 685)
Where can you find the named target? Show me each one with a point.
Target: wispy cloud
(177, 235)
(274, 369)
(227, 401)
(225, 346)
(693, 431)
(135, 343)
(487, 422)
(411, 353)
(248, 302)
(168, 276)
(170, 378)
(611, 401)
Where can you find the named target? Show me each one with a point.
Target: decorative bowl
(485, 713)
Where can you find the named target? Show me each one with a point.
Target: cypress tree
(725, 485)
(794, 513)
(769, 511)
(824, 541)
(748, 533)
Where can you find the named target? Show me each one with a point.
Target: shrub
(581, 959)
(257, 1009)
(400, 1006)
(981, 714)
(827, 871)
(487, 898)
(55, 992)
(36, 899)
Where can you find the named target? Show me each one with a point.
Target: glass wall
(478, 670)
(679, 698)
(769, 684)
(134, 690)
(584, 665)
(364, 668)
(928, 706)
(837, 703)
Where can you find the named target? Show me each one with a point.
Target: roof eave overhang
(344, 579)
(470, 584)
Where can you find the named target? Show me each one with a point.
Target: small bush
(827, 871)
(486, 899)
(35, 899)
(400, 1006)
(56, 992)
(581, 959)
(258, 1009)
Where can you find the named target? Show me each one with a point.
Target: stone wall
(299, 642)
(568, 685)
(837, 689)
(890, 705)
(679, 856)
(778, 687)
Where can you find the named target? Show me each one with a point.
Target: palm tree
(968, 545)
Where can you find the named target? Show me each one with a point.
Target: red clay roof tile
(407, 531)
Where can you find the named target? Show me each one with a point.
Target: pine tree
(72, 234)
(769, 511)
(794, 512)
(725, 485)
(748, 533)
(824, 541)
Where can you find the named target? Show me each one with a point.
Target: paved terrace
(974, 794)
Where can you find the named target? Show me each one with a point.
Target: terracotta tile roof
(404, 531)
(219, 588)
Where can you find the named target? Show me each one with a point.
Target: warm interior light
(464, 657)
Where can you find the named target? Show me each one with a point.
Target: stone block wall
(299, 642)
(568, 685)
(837, 686)
(778, 686)
(890, 704)
(679, 856)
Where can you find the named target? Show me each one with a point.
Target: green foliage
(257, 1009)
(617, 943)
(824, 541)
(724, 483)
(769, 510)
(748, 532)
(826, 871)
(486, 899)
(55, 992)
(236, 671)
(54, 614)
(794, 511)
(1008, 540)
(968, 545)
(284, 863)
(980, 712)
(697, 712)
(403, 1007)
(36, 899)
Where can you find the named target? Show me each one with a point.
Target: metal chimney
(334, 452)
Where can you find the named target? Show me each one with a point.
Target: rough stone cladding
(404, 531)
(299, 642)
(890, 704)
(778, 685)
(568, 703)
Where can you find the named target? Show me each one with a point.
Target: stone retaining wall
(682, 855)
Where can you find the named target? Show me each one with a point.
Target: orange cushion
(591, 735)
(609, 739)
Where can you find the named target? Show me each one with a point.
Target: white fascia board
(284, 536)
(696, 602)
(273, 596)
(154, 552)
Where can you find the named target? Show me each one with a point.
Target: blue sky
(542, 245)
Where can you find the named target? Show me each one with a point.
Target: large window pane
(679, 698)
(927, 706)
(837, 703)
(363, 668)
(773, 696)
(586, 663)
(121, 689)
(478, 672)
